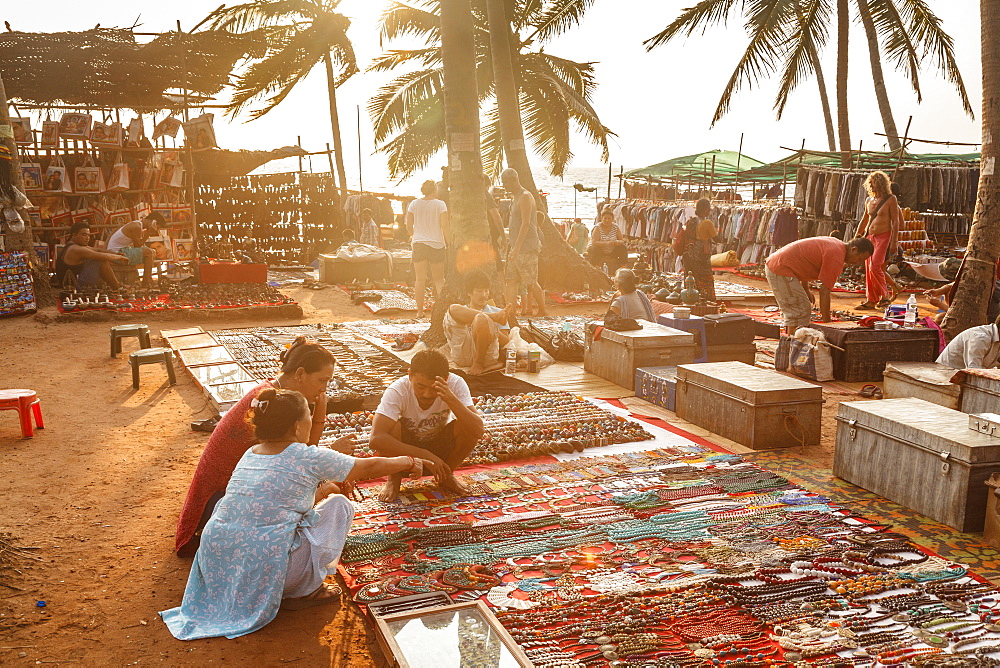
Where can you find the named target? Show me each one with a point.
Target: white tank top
(118, 240)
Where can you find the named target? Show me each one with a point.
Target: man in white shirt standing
(427, 414)
(975, 348)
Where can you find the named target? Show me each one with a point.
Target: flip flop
(311, 601)
(871, 392)
(865, 306)
(885, 303)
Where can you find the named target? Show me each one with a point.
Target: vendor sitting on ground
(607, 245)
(415, 418)
(975, 348)
(790, 269)
(631, 302)
(279, 530)
(130, 241)
(475, 331)
(88, 266)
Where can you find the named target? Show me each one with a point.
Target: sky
(659, 103)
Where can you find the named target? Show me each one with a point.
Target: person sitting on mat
(278, 532)
(130, 241)
(476, 332)
(306, 367)
(630, 302)
(415, 418)
(87, 266)
(975, 348)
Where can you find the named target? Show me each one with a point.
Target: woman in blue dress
(273, 538)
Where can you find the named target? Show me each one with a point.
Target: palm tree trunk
(24, 241)
(880, 93)
(466, 196)
(971, 295)
(338, 147)
(508, 105)
(824, 100)
(843, 122)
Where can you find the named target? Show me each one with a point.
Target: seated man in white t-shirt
(130, 240)
(414, 419)
(476, 332)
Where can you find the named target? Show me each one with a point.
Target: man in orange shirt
(790, 270)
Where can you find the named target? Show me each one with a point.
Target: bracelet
(413, 463)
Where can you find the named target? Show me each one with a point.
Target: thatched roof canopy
(108, 68)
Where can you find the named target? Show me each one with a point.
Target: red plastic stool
(25, 402)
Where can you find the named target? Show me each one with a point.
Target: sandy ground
(97, 495)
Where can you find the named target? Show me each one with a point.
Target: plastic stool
(25, 402)
(151, 356)
(696, 325)
(119, 332)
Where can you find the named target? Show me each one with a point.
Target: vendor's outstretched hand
(344, 445)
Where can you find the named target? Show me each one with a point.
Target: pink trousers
(876, 287)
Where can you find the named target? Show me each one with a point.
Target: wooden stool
(25, 402)
(119, 332)
(151, 356)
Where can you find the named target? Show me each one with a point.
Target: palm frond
(928, 35)
(704, 15)
(329, 34)
(766, 24)
(259, 13)
(429, 57)
(897, 43)
(546, 123)
(412, 149)
(392, 107)
(579, 76)
(807, 40)
(491, 143)
(420, 20)
(558, 17)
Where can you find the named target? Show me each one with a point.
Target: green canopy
(727, 164)
(866, 160)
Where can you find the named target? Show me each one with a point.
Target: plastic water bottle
(910, 319)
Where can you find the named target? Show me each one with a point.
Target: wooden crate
(866, 351)
(616, 355)
(738, 352)
(758, 408)
(921, 455)
(929, 381)
(980, 394)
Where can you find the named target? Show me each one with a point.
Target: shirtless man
(427, 414)
(88, 265)
(881, 225)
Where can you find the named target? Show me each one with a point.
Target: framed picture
(47, 207)
(88, 180)
(199, 133)
(165, 210)
(22, 130)
(88, 216)
(75, 126)
(162, 249)
(50, 134)
(183, 249)
(168, 127)
(31, 174)
(134, 132)
(181, 214)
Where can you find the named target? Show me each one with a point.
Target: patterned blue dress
(239, 573)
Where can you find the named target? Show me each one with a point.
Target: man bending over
(476, 332)
(427, 414)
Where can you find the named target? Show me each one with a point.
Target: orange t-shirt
(815, 258)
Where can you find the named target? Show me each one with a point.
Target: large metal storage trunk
(921, 455)
(616, 355)
(865, 351)
(929, 381)
(980, 394)
(758, 408)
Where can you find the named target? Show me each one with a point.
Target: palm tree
(792, 33)
(299, 34)
(971, 296)
(554, 93)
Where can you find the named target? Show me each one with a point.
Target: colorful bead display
(17, 292)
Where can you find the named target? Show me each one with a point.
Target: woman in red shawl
(306, 367)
